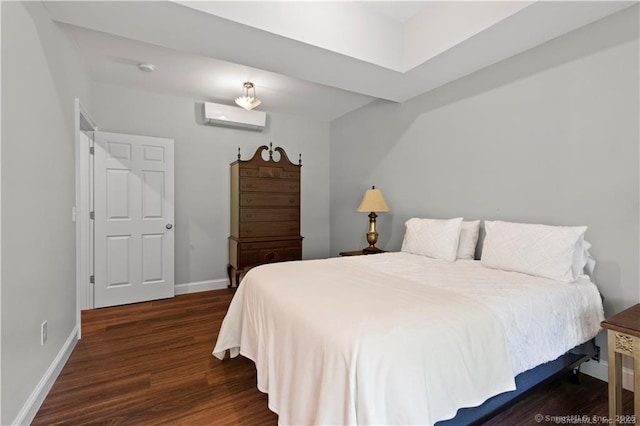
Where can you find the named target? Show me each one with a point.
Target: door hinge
(91, 150)
(92, 215)
(92, 279)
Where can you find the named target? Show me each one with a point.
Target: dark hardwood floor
(151, 363)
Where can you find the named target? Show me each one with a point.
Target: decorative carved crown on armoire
(265, 211)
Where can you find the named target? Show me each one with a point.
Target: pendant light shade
(248, 101)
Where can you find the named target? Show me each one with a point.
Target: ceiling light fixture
(248, 102)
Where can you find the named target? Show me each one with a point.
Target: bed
(400, 338)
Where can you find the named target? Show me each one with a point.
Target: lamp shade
(373, 201)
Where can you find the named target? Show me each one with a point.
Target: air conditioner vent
(234, 117)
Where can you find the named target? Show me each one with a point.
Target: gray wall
(41, 75)
(548, 136)
(202, 157)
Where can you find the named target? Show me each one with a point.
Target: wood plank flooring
(150, 363)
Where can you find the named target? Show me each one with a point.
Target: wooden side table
(357, 253)
(623, 336)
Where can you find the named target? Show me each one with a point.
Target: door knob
(169, 226)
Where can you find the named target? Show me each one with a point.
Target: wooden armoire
(265, 211)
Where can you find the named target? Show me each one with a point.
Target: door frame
(84, 123)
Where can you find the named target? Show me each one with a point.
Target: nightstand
(357, 253)
(623, 336)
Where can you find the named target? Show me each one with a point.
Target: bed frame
(526, 382)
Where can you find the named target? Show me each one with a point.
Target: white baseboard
(35, 400)
(197, 286)
(600, 370)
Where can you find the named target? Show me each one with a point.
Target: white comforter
(397, 338)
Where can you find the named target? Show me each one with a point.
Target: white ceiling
(320, 59)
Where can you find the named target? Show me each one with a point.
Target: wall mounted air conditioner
(229, 116)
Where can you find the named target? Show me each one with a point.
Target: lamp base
(372, 236)
(372, 250)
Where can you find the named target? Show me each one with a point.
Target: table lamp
(373, 201)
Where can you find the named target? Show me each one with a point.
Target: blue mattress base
(525, 382)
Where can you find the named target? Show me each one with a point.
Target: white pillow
(468, 239)
(541, 250)
(583, 262)
(437, 238)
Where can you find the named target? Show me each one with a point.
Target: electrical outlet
(43, 332)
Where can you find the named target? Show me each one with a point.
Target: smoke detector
(146, 67)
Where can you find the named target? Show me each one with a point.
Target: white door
(133, 205)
